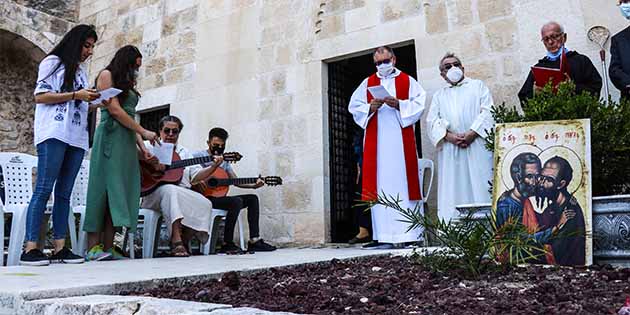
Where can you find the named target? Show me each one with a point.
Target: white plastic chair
(423, 166)
(77, 204)
(18, 180)
(209, 247)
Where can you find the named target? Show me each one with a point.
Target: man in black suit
(581, 70)
(620, 55)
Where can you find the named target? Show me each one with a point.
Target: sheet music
(105, 95)
(378, 92)
(163, 152)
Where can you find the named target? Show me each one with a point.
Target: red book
(542, 76)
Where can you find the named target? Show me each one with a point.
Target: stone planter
(611, 227)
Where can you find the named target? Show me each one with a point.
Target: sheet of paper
(164, 152)
(378, 91)
(106, 94)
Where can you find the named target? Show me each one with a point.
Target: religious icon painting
(542, 178)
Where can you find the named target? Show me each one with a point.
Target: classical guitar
(219, 184)
(151, 179)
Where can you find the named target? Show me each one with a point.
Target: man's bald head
(553, 27)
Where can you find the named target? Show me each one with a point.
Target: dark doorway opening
(150, 118)
(344, 76)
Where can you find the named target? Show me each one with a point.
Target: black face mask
(217, 150)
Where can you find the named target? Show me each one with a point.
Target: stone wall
(258, 68)
(17, 109)
(64, 9)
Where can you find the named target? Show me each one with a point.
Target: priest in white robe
(458, 122)
(390, 159)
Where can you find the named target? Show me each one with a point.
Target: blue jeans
(57, 162)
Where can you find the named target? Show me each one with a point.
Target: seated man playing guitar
(185, 212)
(233, 204)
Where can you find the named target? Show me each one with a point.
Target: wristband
(73, 95)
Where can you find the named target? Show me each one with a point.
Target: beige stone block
(489, 9)
(150, 82)
(467, 44)
(169, 25)
(266, 59)
(173, 76)
(361, 18)
(273, 12)
(332, 25)
(123, 8)
(501, 33)
(187, 39)
(284, 55)
(181, 57)
(485, 71)
(309, 227)
(436, 17)
(173, 6)
(152, 31)
(271, 34)
(278, 134)
(134, 37)
(296, 195)
(278, 82)
(335, 6)
(266, 109)
(511, 67)
(157, 65)
(464, 12)
(394, 10)
(506, 92)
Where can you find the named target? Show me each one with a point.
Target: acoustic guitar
(219, 184)
(151, 178)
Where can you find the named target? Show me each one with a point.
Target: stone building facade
(259, 68)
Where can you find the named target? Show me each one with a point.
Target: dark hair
(518, 165)
(565, 172)
(383, 49)
(122, 68)
(171, 118)
(219, 133)
(69, 51)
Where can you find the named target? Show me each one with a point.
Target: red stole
(370, 180)
(531, 223)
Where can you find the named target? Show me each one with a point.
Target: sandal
(179, 250)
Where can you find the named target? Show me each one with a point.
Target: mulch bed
(396, 285)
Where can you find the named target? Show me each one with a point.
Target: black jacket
(620, 62)
(581, 70)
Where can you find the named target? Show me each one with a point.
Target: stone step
(129, 305)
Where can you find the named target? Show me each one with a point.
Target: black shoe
(260, 246)
(357, 240)
(230, 249)
(34, 257)
(66, 256)
(371, 244)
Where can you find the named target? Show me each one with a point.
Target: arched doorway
(19, 59)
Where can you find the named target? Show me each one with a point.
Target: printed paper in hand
(106, 94)
(163, 152)
(378, 92)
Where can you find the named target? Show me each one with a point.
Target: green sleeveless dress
(114, 181)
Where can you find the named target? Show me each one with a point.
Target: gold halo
(506, 174)
(574, 160)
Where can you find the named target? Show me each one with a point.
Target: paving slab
(19, 284)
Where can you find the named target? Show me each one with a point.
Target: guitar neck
(189, 162)
(236, 181)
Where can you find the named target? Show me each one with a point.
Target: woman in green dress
(113, 196)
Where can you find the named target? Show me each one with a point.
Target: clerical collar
(460, 83)
(394, 73)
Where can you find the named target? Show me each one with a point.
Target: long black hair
(122, 67)
(69, 51)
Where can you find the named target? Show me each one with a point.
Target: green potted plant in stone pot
(610, 159)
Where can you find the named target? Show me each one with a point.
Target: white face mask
(625, 10)
(455, 74)
(385, 69)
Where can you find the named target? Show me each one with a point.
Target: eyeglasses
(384, 61)
(170, 131)
(448, 66)
(553, 37)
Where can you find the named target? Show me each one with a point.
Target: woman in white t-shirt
(61, 137)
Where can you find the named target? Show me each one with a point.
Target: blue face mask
(554, 56)
(625, 10)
